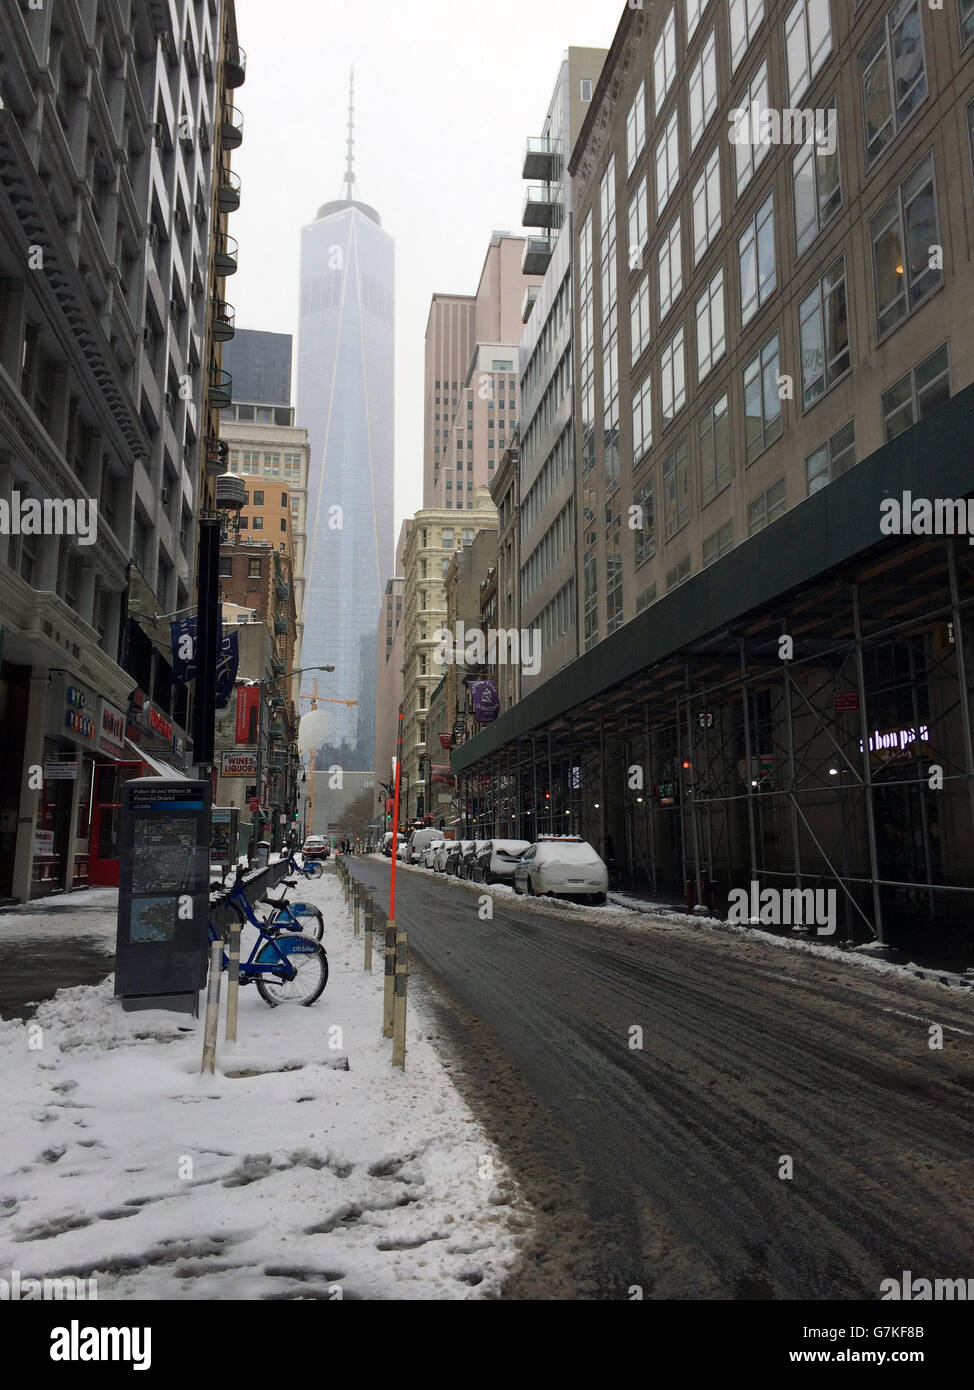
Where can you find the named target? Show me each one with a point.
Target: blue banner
(226, 667)
(486, 702)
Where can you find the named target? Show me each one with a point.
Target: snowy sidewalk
(282, 1176)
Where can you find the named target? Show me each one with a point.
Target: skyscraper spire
(348, 191)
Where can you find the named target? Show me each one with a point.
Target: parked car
(418, 842)
(316, 847)
(496, 860)
(442, 855)
(430, 852)
(468, 859)
(403, 851)
(453, 858)
(562, 865)
(387, 843)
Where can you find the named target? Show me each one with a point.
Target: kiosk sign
(163, 894)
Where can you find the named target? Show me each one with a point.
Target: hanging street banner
(226, 668)
(486, 702)
(248, 714)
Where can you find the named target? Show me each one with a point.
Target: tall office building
(345, 401)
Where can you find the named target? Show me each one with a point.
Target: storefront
(60, 856)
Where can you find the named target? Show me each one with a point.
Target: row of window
(557, 465)
(559, 537)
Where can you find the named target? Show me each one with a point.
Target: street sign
(254, 803)
(847, 702)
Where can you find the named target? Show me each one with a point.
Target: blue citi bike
(284, 967)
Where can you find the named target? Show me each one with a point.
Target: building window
(446, 538)
(258, 523)
(638, 225)
(836, 456)
(679, 574)
(706, 206)
(244, 524)
(670, 270)
(903, 235)
(421, 697)
(966, 12)
(636, 128)
(676, 490)
(258, 499)
(893, 72)
(713, 434)
(695, 9)
(750, 142)
(444, 566)
(664, 61)
(667, 163)
(673, 392)
(745, 16)
(645, 532)
(823, 334)
(647, 596)
(639, 325)
(762, 401)
(711, 342)
(283, 523)
(703, 90)
(253, 569)
(586, 89)
(766, 508)
(817, 182)
(226, 567)
(917, 394)
(755, 250)
(718, 543)
(642, 422)
(808, 42)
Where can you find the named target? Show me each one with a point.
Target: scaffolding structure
(823, 740)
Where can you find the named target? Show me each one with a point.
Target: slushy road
(665, 1167)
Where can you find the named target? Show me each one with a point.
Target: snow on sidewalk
(280, 1176)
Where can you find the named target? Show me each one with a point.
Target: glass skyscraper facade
(345, 401)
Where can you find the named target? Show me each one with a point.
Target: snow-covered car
(562, 865)
(430, 852)
(316, 847)
(442, 855)
(418, 842)
(403, 852)
(387, 843)
(468, 859)
(496, 860)
(457, 849)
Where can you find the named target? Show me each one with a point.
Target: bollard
(369, 927)
(390, 980)
(233, 981)
(357, 905)
(399, 1002)
(212, 1007)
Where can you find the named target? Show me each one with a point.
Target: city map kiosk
(163, 894)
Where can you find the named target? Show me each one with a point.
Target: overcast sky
(445, 95)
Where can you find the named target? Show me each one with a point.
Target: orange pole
(395, 821)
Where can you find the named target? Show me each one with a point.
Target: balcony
(216, 456)
(234, 65)
(528, 303)
(542, 159)
(222, 320)
(543, 204)
(537, 255)
(221, 389)
(228, 190)
(225, 256)
(231, 128)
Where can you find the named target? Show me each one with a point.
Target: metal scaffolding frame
(729, 762)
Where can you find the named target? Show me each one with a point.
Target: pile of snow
(282, 1175)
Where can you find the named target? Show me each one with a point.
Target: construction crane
(316, 700)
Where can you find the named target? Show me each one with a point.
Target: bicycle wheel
(298, 917)
(311, 967)
(312, 869)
